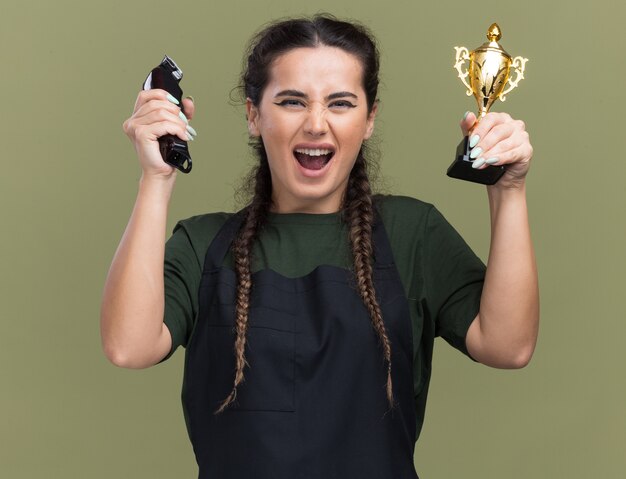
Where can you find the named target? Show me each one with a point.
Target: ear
(369, 128)
(252, 115)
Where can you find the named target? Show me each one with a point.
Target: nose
(315, 123)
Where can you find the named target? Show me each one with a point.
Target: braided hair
(357, 209)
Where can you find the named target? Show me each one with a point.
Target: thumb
(188, 107)
(467, 123)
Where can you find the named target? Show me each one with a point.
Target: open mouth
(313, 159)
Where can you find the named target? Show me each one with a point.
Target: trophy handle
(462, 55)
(518, 64)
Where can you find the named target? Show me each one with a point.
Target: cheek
(277, 132)
(351, 130)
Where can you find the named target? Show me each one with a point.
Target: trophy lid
(493, 35)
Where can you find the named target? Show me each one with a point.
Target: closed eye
(290, 102)
(342, 104)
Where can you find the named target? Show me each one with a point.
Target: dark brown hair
(357, 206)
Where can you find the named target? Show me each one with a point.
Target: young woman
(309, 316)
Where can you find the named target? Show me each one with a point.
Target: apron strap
(222, 241)
(383, 254)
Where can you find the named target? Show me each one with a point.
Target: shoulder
(403, 215)
(401, 204)
(202, 225)
(197, 232)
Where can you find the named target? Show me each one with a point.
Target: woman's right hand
(154, 116)
(131, 318)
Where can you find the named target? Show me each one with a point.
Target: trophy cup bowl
(489, 73)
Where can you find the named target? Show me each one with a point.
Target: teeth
(313, 152)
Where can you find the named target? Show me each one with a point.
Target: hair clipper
(166, 76)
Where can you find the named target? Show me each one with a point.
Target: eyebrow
(332, 96)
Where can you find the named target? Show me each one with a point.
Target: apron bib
(313, 402)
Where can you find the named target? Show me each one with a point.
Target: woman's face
(312, 119)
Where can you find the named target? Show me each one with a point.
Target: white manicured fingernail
(183, 117)
(478, 163)
(171, 98)
(492, 161)
(476, 152)
(473, 140)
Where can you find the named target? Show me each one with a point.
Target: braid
(255, 216)
(359, 215)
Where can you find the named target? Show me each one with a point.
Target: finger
(158, 115)
(156, 105)
(146, 125)
(502, 150)
(483, 145)
(517, 137)
(156, 130)
(189, 107)
(153, 117)
(517, 154)
(487, 122)
(467, 123)
(145, 96)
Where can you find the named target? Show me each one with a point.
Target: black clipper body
(166, 76)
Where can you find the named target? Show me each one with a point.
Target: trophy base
(461, 167)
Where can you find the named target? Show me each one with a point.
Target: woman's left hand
(498, 140)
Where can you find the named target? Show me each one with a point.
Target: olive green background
(70, 75)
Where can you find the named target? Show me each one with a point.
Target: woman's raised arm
(505, 331)
(131, 319)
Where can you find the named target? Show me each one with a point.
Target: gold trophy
(489, 72)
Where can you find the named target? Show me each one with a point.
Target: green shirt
(442, 277)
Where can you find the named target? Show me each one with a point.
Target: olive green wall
(70, 75)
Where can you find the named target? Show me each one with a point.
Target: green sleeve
(184, 260)
(453, 277)
(182, 273)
